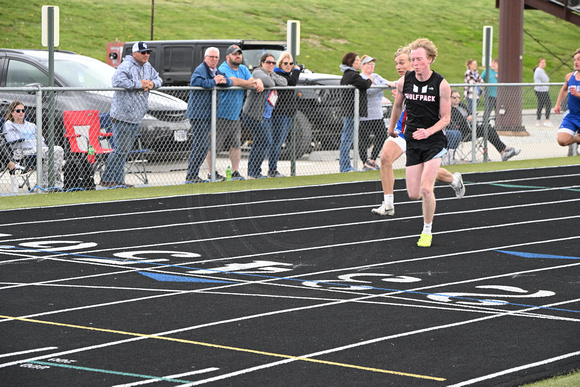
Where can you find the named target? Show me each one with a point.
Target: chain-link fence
(204, 135)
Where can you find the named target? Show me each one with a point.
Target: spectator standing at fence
(569, 131)
(229, 132)
(258, 110)
(395, 146)
(373, 123)
(428, 112)
(284, 112)
(490, 92)
(208, 76)
(461, 119)
(472, 76)
(21, 134)
(136, 75)
(542, 92)
(350, 67)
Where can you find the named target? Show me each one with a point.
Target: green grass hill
(329, 28)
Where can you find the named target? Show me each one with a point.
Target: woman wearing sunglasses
(21, 135)
(285, 110)
(257, 116)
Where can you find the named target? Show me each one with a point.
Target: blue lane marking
(179, 278)
(110, 372)
(303, 280)
(532, 255)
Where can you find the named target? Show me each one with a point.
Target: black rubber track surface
(297, 287)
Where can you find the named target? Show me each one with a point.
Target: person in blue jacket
(206, 75)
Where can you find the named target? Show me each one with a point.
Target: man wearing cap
(136, 75)
(231, 103)
(208, 76)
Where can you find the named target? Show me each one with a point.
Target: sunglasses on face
(269, 62)
(19, 110)
(145, 53)
(287, 63)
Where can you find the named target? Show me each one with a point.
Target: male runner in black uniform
(427, 97)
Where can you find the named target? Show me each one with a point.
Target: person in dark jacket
(350, 67)
(285, 110)
(461, 119)
(208, 76)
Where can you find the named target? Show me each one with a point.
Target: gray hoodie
(131, 104)
(255, 102)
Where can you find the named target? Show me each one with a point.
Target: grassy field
(329, 28)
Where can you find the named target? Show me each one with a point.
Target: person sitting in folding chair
(461, 119)
(20, 135)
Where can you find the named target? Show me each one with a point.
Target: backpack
(79, 174)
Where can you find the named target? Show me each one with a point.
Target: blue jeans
(261, 144)
(124, 134)
(280, 128)
(470, 105)
(200, 130)
(346, 140)
(453, 138)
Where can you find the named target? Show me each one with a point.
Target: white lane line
(364, 297)
(175, 376)
(354, 345)
(27, 351)
(350, 224)
(258, 202)
(297, 213)
(301, 276)
(515, 369)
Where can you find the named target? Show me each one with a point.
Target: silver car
(164, 129)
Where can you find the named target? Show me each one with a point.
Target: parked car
(321, 108)
(175, 60)
(164, 129)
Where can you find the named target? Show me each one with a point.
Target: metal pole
(293, 126)
(474, 124)
(38, 136)
(356, 125)
(50, 132)
(213, 133)
(486, 108)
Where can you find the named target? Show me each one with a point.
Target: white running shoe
(460, 188)
(384, 209)
(509, 153)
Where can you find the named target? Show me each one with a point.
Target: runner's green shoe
(425, 240)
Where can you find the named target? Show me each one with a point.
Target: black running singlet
(422, 103)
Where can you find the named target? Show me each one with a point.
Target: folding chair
(465, 149)
(84, 128)
(136, 160)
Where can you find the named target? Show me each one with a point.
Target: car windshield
(82, 71)
(252, 56)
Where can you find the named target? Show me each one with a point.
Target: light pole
(152, 17)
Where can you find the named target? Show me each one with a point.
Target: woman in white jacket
(21, 136)
(373, 123)
(542, 92)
